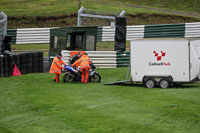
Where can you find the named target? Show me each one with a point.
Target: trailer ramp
(117, 82)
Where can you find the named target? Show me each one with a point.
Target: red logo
(159, 57)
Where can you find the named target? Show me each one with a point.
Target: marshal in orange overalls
(56, 67)
(84, 62)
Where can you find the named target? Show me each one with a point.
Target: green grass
(34, 103)
(66, 7)
(176, 5)
(29, 46)
(100, 46)
(38, 7)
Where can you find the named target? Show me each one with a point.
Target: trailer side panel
(160, 58)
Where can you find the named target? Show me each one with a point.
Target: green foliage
(34, 103)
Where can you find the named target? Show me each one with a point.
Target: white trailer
(164, 62)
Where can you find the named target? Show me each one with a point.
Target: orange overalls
(84, 62)
(56, 67)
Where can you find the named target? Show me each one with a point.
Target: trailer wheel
(164, 83)
(150, 83)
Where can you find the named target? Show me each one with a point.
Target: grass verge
(34, 103)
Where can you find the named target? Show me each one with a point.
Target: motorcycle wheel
(95, 78)
(68, 78)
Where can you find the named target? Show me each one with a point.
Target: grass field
(100, 46)
(176, 5)
(33, 103)
(53, 13)
(53, 7)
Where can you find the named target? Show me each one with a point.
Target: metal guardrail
(107, 33)
(192, 29)
(33, 35)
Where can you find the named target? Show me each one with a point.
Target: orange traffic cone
(16, 71)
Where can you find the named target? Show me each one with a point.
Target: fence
(107, 33)
(3, 28)
(111, 59)
(3, 23)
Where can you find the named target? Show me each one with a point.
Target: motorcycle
(72, 74)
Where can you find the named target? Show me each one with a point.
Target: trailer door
(194, 59)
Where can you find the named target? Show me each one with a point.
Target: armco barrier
(107, 33)
(123, 59)
(164, 31)
(192, 29)
(33, 35)
(101, 59)
(13, 34)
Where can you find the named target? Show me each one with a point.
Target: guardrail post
(79, 23)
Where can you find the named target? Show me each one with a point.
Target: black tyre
(23, 71)
(35, 65)
(16, 57)
(1, 64)
(10, 58)
(9, 63)
(1, 69)
(22, 66)
(164, 83)
(28, 70)
(10, 68)
(28, 55)
(40, 70)
(5, 74)
(28, 60)
(21, 56)
(68, 78)
(40, 54)
(29, 66)
(35, 70)
(149, 83)
(1, 58)
(4, 58)
(34, 55)
(40, 59)
(10, 74)
(35, 60)
(1, 75)
(22, 61)
(95, 78)
(40, 65)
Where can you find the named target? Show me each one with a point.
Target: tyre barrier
(25, 62)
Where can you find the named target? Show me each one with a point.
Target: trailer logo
(159, 58)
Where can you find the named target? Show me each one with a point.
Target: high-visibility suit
(73, 59)
(56, 67)
(84, 62)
